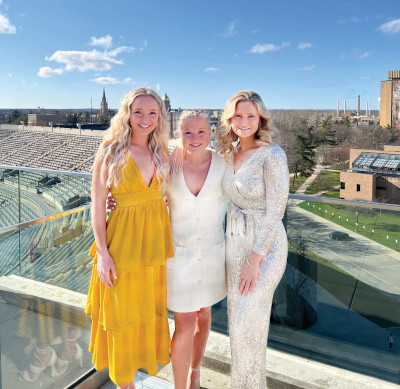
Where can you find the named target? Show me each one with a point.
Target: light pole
(51, 125)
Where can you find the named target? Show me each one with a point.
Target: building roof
(381, 163)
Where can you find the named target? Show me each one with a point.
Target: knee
(185, 325)
(204, 318)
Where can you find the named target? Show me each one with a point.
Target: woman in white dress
(196, 275)
(256, 183)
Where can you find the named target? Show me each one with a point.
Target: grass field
(324, 181)
(360, 297)
(298, 182)
(378, 225)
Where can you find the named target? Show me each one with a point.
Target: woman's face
(144, 115)
(245, 120)
(195, 134)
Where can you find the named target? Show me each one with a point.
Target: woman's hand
(249, 274)
(110, 202)
(106, 268)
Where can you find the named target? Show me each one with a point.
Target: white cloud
(364, 55)
(145, 43)
(304, 45)
(308, 68)
(230, 30)
(9, 75)
(49, 72)
(105, 41)
(158, 87)
(365, 78)
(392, 27)
(105, 80)
(6, 27)
(85, 60)
(121, 49)
(111, 80)
(211, 69)
(261, 49)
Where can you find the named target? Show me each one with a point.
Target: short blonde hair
(179, 153)
(112, 153)
(264, 134)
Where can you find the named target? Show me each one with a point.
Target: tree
(102, 120)
(304, 149)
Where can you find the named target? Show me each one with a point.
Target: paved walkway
(313, 176)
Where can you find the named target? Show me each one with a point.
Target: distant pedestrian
(390, 339)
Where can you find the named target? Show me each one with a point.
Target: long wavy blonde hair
(112, 153)
(176, 162)
(226, 136)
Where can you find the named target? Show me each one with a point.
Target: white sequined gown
(258, 194)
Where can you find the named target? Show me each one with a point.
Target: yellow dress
(130, 320)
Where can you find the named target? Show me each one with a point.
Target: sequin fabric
(258, 194)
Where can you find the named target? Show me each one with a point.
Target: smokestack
(358, 105)
(345, 106)
(366, 108)
(370, 107)
(337, 109)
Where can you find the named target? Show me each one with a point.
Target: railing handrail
(317, 199)
(43, 219)
(40, 170)
(356, 203)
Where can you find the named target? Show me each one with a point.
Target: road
(370, 262)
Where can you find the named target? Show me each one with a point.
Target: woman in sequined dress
(256, 183)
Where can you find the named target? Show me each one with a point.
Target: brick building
(374, 175)
(390, 100)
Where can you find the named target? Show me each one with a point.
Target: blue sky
(296, 54)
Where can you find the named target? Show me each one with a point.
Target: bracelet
(252, 266)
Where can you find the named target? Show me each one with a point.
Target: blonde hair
(112, 154)
(264, 134)
(179, 153)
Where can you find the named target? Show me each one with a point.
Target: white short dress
(196, 276)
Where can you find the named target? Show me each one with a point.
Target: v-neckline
(205, 181)
(140, 172)
(244, 163)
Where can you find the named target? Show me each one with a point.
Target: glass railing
(338, 302)
(27, 193)
(44, 277)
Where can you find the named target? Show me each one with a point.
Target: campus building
(373, 176)
(390, 100)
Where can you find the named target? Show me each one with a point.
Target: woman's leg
(182, 346)
(203, 325)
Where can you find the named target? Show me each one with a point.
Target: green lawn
(298, 182)
(360, 297)
(381, 226)
(324, 181)
(333, 194)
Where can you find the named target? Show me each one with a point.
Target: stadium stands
(47, 150)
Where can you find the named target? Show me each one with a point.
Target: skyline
(296, 55)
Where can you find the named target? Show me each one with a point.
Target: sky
(296, 54)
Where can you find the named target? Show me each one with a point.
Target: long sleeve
(276, 181)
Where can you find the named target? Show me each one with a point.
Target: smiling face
(195, 134)
(144, 115)
(245, 120)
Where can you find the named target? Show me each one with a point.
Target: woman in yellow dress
(127, 294)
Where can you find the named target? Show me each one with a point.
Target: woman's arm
(105, 263)
(276, 181)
